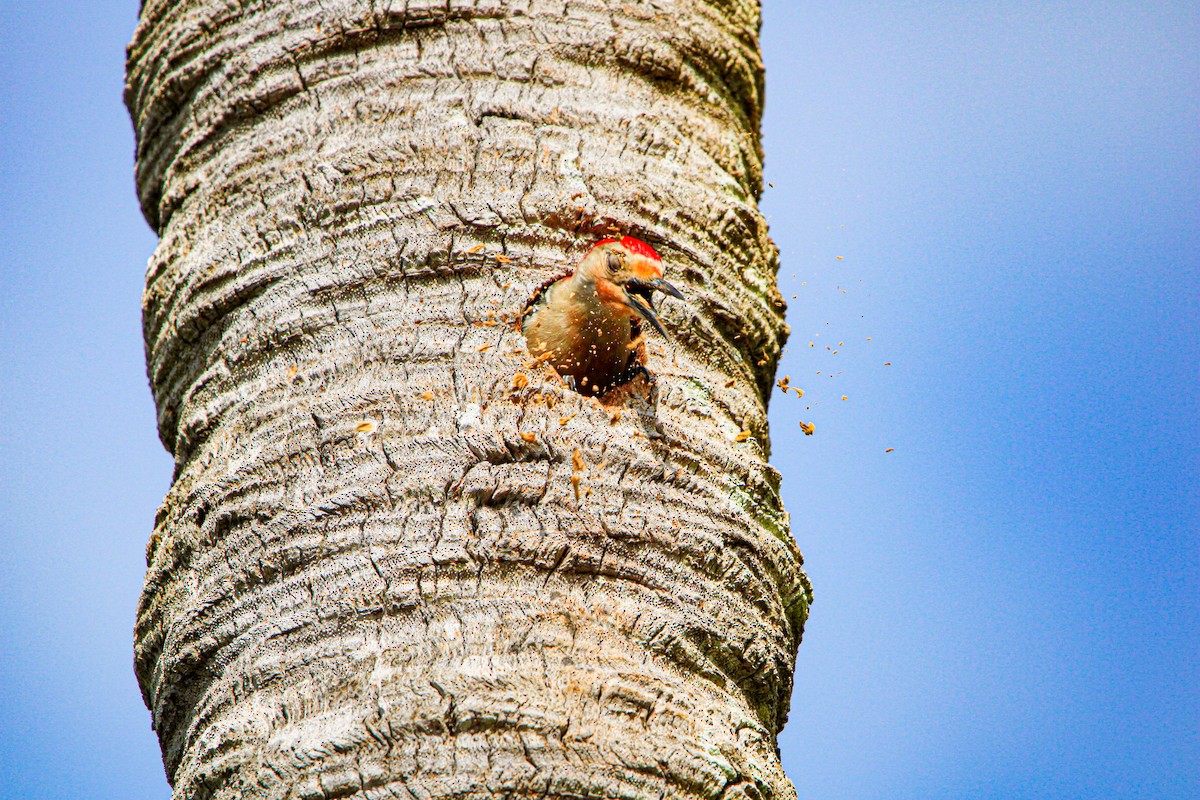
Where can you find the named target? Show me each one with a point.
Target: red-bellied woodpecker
(588, 325)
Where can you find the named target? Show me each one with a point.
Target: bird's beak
(662, 286)
(644, 308)
(638, 294)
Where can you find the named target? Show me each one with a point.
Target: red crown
(634, 246)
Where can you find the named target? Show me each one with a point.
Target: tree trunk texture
(398, 559)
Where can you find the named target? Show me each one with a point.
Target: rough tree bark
(396, 559)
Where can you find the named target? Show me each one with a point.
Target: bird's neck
(582, 284)
(599, 296)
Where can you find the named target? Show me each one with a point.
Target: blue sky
(1007, 604)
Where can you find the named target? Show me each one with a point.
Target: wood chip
(520, 381)
(542, 359)
(890, 450)
(365, 427)
(529, 437)
(475, 249)
(577, 462)
(503, 259)
(743, 436)
(808, 428)
(427, 395)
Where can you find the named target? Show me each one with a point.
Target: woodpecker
(588, 325)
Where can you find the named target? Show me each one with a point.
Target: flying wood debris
(542, 359)
(808, 428)
(577, 467)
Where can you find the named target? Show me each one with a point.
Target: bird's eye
(614, 263)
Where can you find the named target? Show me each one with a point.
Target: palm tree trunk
(397, 559)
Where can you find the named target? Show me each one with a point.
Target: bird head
(626, 272)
